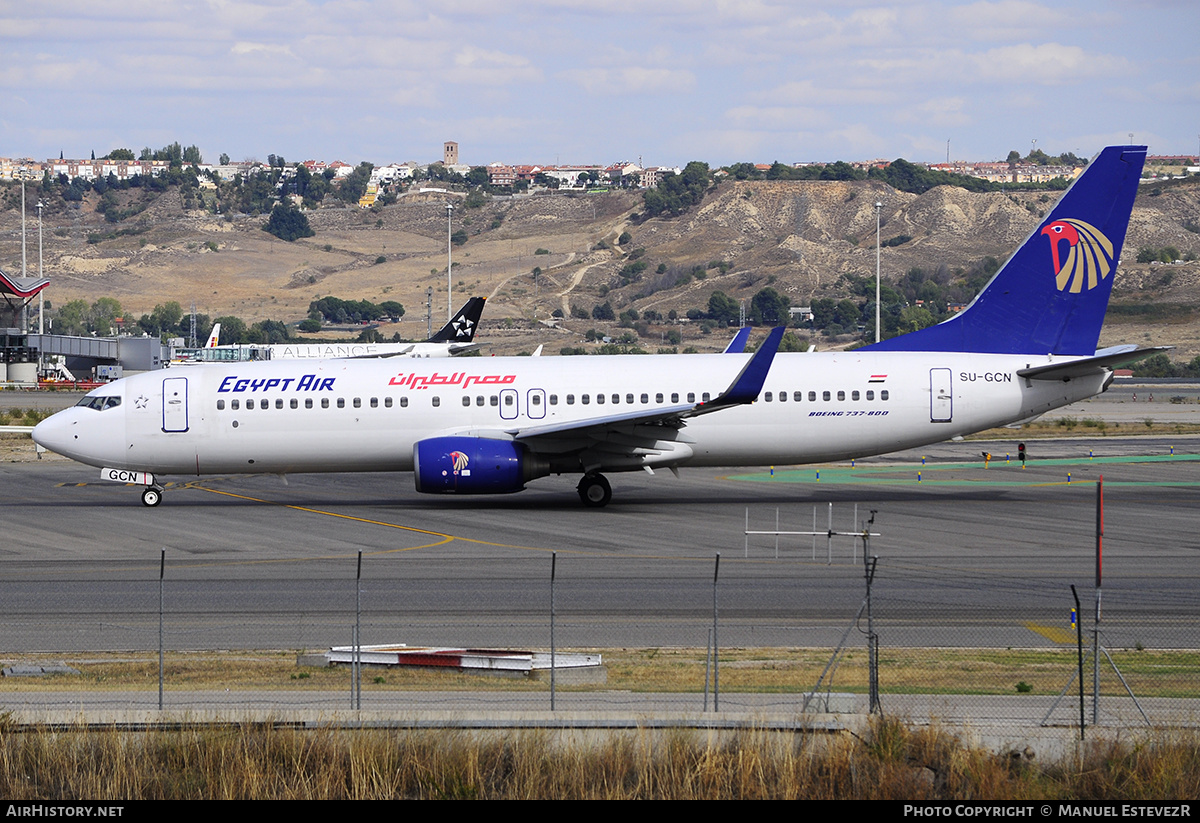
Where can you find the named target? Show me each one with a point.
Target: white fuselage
(366, 415)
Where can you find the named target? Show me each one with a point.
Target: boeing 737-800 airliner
(1025, 345)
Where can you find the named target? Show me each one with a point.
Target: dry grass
(674, 670)
(888, 760)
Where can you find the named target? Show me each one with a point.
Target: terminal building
(84, 359)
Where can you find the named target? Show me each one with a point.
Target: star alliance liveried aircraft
(1025, 345)
(456, 337)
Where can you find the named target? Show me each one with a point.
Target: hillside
(802, 238)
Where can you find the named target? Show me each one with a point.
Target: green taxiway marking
(907, 473)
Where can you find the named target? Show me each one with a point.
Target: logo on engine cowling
(461, 462)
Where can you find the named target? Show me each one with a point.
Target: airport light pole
(24, 273)
(878, 209)
(449, 264)
(41, 298)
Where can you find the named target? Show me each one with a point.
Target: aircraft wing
(634, 431)
(1103, 360)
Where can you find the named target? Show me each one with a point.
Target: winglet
(738, 344)
(749, 382)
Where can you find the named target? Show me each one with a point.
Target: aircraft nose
(55, 433)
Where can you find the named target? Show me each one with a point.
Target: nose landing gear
(152, 496)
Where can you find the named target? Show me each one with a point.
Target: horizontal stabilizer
(1104, 360)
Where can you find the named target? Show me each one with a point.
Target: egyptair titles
(462, 379)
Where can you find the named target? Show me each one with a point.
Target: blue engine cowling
(473, 465)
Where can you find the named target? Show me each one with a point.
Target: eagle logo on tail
(1089, 258)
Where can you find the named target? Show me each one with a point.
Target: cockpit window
(100, 403)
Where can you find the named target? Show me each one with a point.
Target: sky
(598, 81)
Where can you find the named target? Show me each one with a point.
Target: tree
(603, 312)
(288, 223)
(224, 159)
(233, 330)
(769, 306)
(354, 185)
(478, 176)
(723, 308)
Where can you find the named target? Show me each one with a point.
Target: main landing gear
(594, 491)
(152, 496)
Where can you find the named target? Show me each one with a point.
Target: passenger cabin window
(783, 397)
(341, 402)
(324, 402)
(854, 395)
(374, 402)
(295, 403)
(870, 394)
(691, 397)
(435, 400)
(841, 395)
(404, 402)
(883, 395)
(466, 400)
(812, 396)
(645, 398)
(825, 396)
(479, 400)
(220, 405)
(704, 398)
(387, 402)
(599, 400)
(570, 400)
(249, 402)
(629, 399)
(675, 397)
(585, 399)
(658, 398)
(357, 402)
(308, 404)
(233, 404)
(279, 403)
(616, 398)
(798, 396)
(535, 400)
(554, 400)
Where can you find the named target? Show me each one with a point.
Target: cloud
(265, 49)
(1048, 64)
(632, 80)
(471, 65)
(776, 117)
(938, 111)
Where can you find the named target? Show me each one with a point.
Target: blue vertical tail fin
(1052, 294)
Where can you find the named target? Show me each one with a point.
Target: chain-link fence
(788, 633)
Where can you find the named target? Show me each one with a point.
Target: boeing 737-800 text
(1025, 345)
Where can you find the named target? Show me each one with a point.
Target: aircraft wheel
(151, 497)
(594, 491)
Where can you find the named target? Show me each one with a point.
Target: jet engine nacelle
(473, 465)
